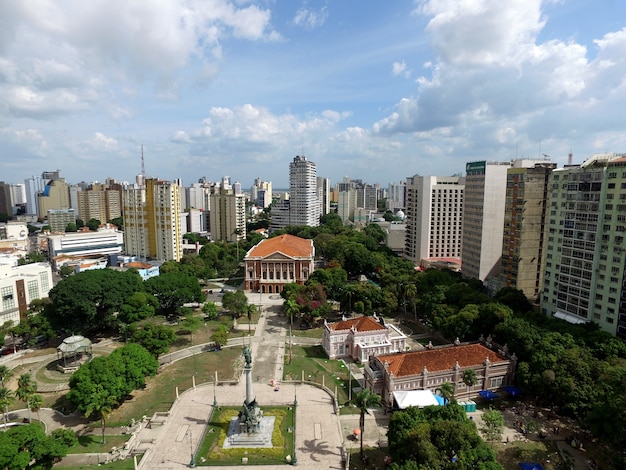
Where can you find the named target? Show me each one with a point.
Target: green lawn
(160, 391)
(312, 361)
(211, 452)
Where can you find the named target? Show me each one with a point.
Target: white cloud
(311, 19)
(59, 57)
(399, 68)
(102, 142)
(496, 89)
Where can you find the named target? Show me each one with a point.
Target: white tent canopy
(419, 398)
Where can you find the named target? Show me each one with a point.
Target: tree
(210, 311)
(118, 222)
(88, 301)
(446, 391)
(364, 400)
(6, 399)
(140, 305)
(26, 388)
(173, 289)
(236, 302)
(291, 308)
(71, 227)
(470, 379)
(5, 375)
(493, 423)
(66, 271)
(155, 338)
(220, 336)
(100, 403)
(36, 402)
(93, 224)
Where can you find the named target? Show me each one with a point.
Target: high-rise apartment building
(99, 203)
(323, 194)
(346, 205)
(523, 237)
(483, 218)
(55, 196)
(585, 250)
(6, 206)
(304, 206)
(261, 193)
(396, 199)
(434, 216)
(151, 221)
(227, 217)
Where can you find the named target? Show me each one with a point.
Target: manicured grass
(318, 368)
(308, 332)
(211, 452)
(160, 391)
(92, 443)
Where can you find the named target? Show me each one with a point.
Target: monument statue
(250, 415)
(250, 428)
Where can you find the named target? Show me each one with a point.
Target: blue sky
(367, 89)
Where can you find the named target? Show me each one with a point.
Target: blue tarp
(512, 390)
(439, 399)
(530, 466)
(488, 394)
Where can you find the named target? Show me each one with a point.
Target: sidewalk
(319, 441)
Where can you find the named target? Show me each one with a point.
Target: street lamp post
(192, 462)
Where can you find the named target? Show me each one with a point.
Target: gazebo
(73, 352)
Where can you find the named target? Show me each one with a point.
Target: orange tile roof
(138, 265)
(289, 245)
(439, 359)
(361, 324)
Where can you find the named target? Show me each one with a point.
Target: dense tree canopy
(437, 437)
(88, 301)
(173, 289)
(21, 446)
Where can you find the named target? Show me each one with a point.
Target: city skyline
(217, 88)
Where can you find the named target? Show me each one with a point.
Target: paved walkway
(319, 439)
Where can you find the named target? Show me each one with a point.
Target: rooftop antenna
(143, 166)
(570, 157)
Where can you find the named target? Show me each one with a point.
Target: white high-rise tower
(304, 206)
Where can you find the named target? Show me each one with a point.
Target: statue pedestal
(260, 439)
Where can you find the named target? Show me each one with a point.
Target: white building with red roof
(430, 368)
(277, 261)
(362, 337)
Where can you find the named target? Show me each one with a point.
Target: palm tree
(364, 400)
(470, 379)
(411, 292)
(5, 374)
(36, 402)
(446, 391)
(6, 399)
(291, 308)
(26, 388)
(101, 404)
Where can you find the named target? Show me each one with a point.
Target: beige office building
(227, 217)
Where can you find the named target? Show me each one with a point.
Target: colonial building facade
(277, 261)
(430, 368)
(360, 338)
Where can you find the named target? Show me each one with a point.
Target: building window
(496, 382)
(8, 300)
(33, 290)
(43, 279)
